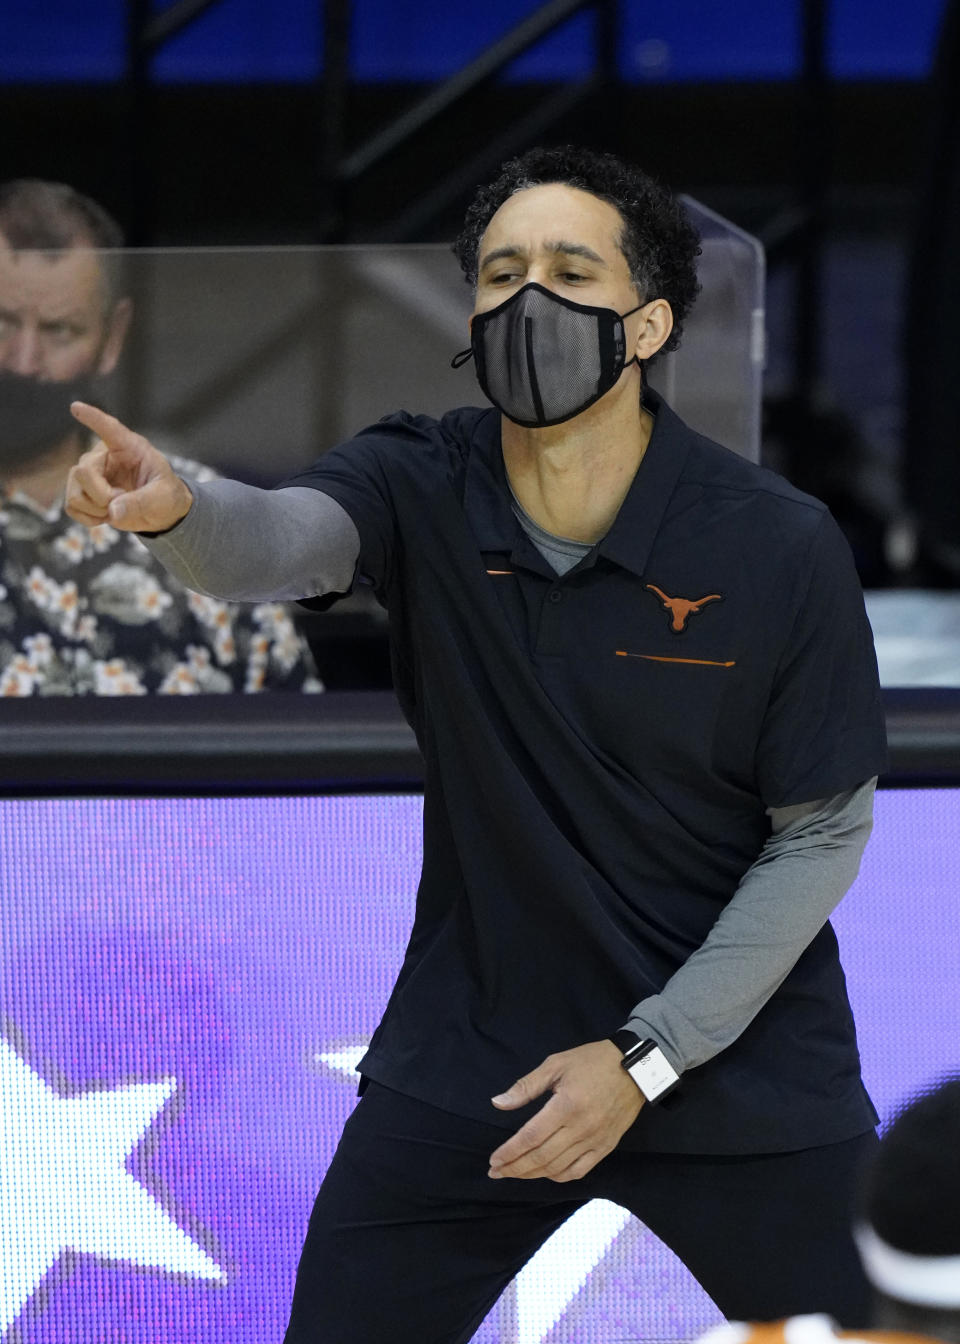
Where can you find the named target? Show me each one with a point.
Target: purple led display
(184, 986)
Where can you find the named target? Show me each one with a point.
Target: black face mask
(35, 416)
(542, 359)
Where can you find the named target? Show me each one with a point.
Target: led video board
(185, 985)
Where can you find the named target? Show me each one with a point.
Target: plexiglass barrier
(256, 360)
(714, 380)
(253, 362)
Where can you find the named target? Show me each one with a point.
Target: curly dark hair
(659, 242)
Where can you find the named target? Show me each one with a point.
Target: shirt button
(555, 595)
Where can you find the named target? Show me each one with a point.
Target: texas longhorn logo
(681, 608)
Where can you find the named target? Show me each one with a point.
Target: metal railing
(338, 168)
(793, 234)
(341, 742)
(341, 170)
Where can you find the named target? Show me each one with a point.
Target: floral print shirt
(91, 612)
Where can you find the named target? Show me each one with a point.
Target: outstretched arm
(221, 537)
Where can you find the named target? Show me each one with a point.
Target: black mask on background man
(35, 416)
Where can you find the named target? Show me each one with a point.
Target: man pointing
(620, 981)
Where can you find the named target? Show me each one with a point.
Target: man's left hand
(594, 1102)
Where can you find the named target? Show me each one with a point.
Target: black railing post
(137, 134)
(607, 102)
(815, 171)
(146, 32)
(333, 205)
(607, 39)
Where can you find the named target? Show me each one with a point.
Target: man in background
(907, 1232)
(81, 612)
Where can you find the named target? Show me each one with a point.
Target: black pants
(410, 1242)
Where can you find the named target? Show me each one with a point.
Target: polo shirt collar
(630, 539)
(634, 530)
(486, 496)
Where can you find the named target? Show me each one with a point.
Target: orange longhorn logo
(681, 608)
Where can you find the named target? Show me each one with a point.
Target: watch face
(653, 1073)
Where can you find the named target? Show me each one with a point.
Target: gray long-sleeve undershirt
(245, 544)
(784, 898)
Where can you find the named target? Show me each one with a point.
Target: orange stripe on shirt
(656, 658)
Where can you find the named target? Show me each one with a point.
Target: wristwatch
(646, 1064)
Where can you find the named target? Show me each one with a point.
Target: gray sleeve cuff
(244, 544)
(784, 899)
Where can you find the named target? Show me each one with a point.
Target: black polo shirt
(599, 752)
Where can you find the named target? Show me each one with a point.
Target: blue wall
(673, 40)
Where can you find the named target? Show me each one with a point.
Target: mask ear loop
(640, 363)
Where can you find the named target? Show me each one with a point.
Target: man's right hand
(124, 480)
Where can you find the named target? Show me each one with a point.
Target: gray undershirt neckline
(560, 553)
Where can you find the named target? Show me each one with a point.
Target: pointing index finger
(106, 427)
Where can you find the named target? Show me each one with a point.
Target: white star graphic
(549, 1282)
(64, 1185)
